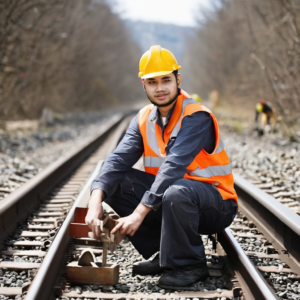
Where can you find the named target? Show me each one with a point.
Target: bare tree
(64, 54)
(249, 50)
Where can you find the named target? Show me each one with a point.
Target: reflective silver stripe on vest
(220, 146)
(176, 127)
(212, 171)
(151, 161)
(150, 130)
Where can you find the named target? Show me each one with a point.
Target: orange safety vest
(214, 168)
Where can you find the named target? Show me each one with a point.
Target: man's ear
(179, 79)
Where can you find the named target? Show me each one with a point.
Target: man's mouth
(161, 96)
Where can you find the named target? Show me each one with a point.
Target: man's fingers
(91, 235)
(97, 231)
(117, 227)
(89, 224)
(92, 227)
(132, 233)
(126, 229)
(94, 231)
(123, 230)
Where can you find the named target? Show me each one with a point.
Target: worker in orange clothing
(267, 113)
(197, 98)
(187, 187)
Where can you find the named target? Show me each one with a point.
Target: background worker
(187, 187)
(267, 113)
(214, 99)
(197, 98)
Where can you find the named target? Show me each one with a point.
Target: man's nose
(159, 87)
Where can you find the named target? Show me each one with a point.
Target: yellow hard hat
(197, 98)
(157, 62)
(259, 107)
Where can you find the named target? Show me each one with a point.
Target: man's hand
(129, 225)
(95, 212)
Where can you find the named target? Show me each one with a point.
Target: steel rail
(279, 224)
(253, 284)
(44, 281)
(43, 284)
(18, 205)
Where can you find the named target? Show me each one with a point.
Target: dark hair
(175, 73)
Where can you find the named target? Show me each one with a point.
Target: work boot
(178, 279)
(148, 267)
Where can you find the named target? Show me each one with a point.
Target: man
(267, 113)
(187, 187)
(197, 98)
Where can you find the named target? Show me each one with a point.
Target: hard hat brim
(155, 74)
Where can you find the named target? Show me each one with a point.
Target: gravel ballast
(270, 162)
(24, 155)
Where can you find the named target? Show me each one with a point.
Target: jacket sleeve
(127, 153)
(197, 132)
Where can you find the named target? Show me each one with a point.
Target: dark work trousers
(188, 208)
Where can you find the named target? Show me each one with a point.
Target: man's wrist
(97, 196)
(142, 210)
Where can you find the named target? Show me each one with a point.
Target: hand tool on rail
(87, 270)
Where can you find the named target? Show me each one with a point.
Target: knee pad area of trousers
(174, 195)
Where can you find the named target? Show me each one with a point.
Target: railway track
(256, 258)
(30, 218)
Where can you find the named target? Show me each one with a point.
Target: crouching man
(187, 187)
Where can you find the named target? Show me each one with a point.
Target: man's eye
(167, 80)
(151, 82)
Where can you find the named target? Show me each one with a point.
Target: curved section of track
(49, 270)
(46, 201)
(18, 205)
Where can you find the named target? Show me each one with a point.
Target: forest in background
(248, 51)
(168, 36)
(66, 55)
(71, 55)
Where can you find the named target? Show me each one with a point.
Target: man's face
(162, 89)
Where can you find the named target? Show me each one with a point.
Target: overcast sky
(178, 12)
